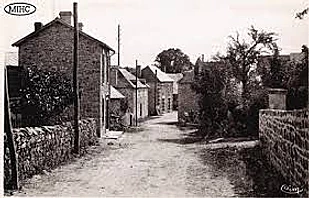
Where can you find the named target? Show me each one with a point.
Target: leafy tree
(210, 83)
(302, 14)
(271, 70)
(45, 96)
(296, 81)
(173, 61)
(291, 75)
(243, 55)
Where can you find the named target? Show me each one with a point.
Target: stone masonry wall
(165, 97)
(187, 101)
(43, 148)
(284, 136)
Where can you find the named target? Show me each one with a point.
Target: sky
(150, 26)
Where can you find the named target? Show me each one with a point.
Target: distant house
(125, 83)
(50, 47)
(15, 76)
(116, 99)
(160, 92)
(176, 77)
(188, 98)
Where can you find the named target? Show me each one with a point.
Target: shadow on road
(188, 138)
(168, 123)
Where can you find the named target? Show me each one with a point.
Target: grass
(247, 170)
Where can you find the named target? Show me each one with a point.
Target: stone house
(160, 91)
(188, 98)
(125, 83)
(116, 99)
(176, 77)
(50, 47)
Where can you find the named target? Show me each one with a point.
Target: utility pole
(75, 80)
(155, 91)
(136, 72)
(118, 45)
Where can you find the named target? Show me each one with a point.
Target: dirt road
(152, 162)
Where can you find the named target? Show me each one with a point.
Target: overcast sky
(150, 26)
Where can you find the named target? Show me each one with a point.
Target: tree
(302, 14)
(173, 61)
(210, 83)
(243, 55)
(271, 70)
(45, 97)
(289, 74)
(296, 81)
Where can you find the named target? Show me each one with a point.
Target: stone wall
(43, 148)
(284, 136)
(187, 102)
(165, 96)
(151, 98)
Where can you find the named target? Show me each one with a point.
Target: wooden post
(10, 136)
(155, 91)
(136, 92)
(75, 80)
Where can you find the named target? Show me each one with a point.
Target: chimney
(37, 26)
(66, 16)
(202, 57)
(80, 26)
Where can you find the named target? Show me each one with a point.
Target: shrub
(45, 96)
(210, 83)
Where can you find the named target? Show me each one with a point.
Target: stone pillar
(277, 98)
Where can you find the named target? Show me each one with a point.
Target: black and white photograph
(154, 98)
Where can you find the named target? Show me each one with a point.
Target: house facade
(176, 77)
(187, 98)
(125, 83)
(50, 48)
(160, 90)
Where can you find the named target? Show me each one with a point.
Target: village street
(152, 162)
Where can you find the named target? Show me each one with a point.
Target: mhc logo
(20, 9)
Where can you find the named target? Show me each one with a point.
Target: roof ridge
(57, 19)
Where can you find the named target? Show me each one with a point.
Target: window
(140, 109)
(163, 104)
(169, 104)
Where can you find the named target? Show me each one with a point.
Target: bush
(45, 96)
(210, 83)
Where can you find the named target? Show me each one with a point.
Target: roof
(188, 77)
(176, 77)
(11, 59)
(115, 94)
(297, 57)
(161, 76)
(60, 21)
(131, 79)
